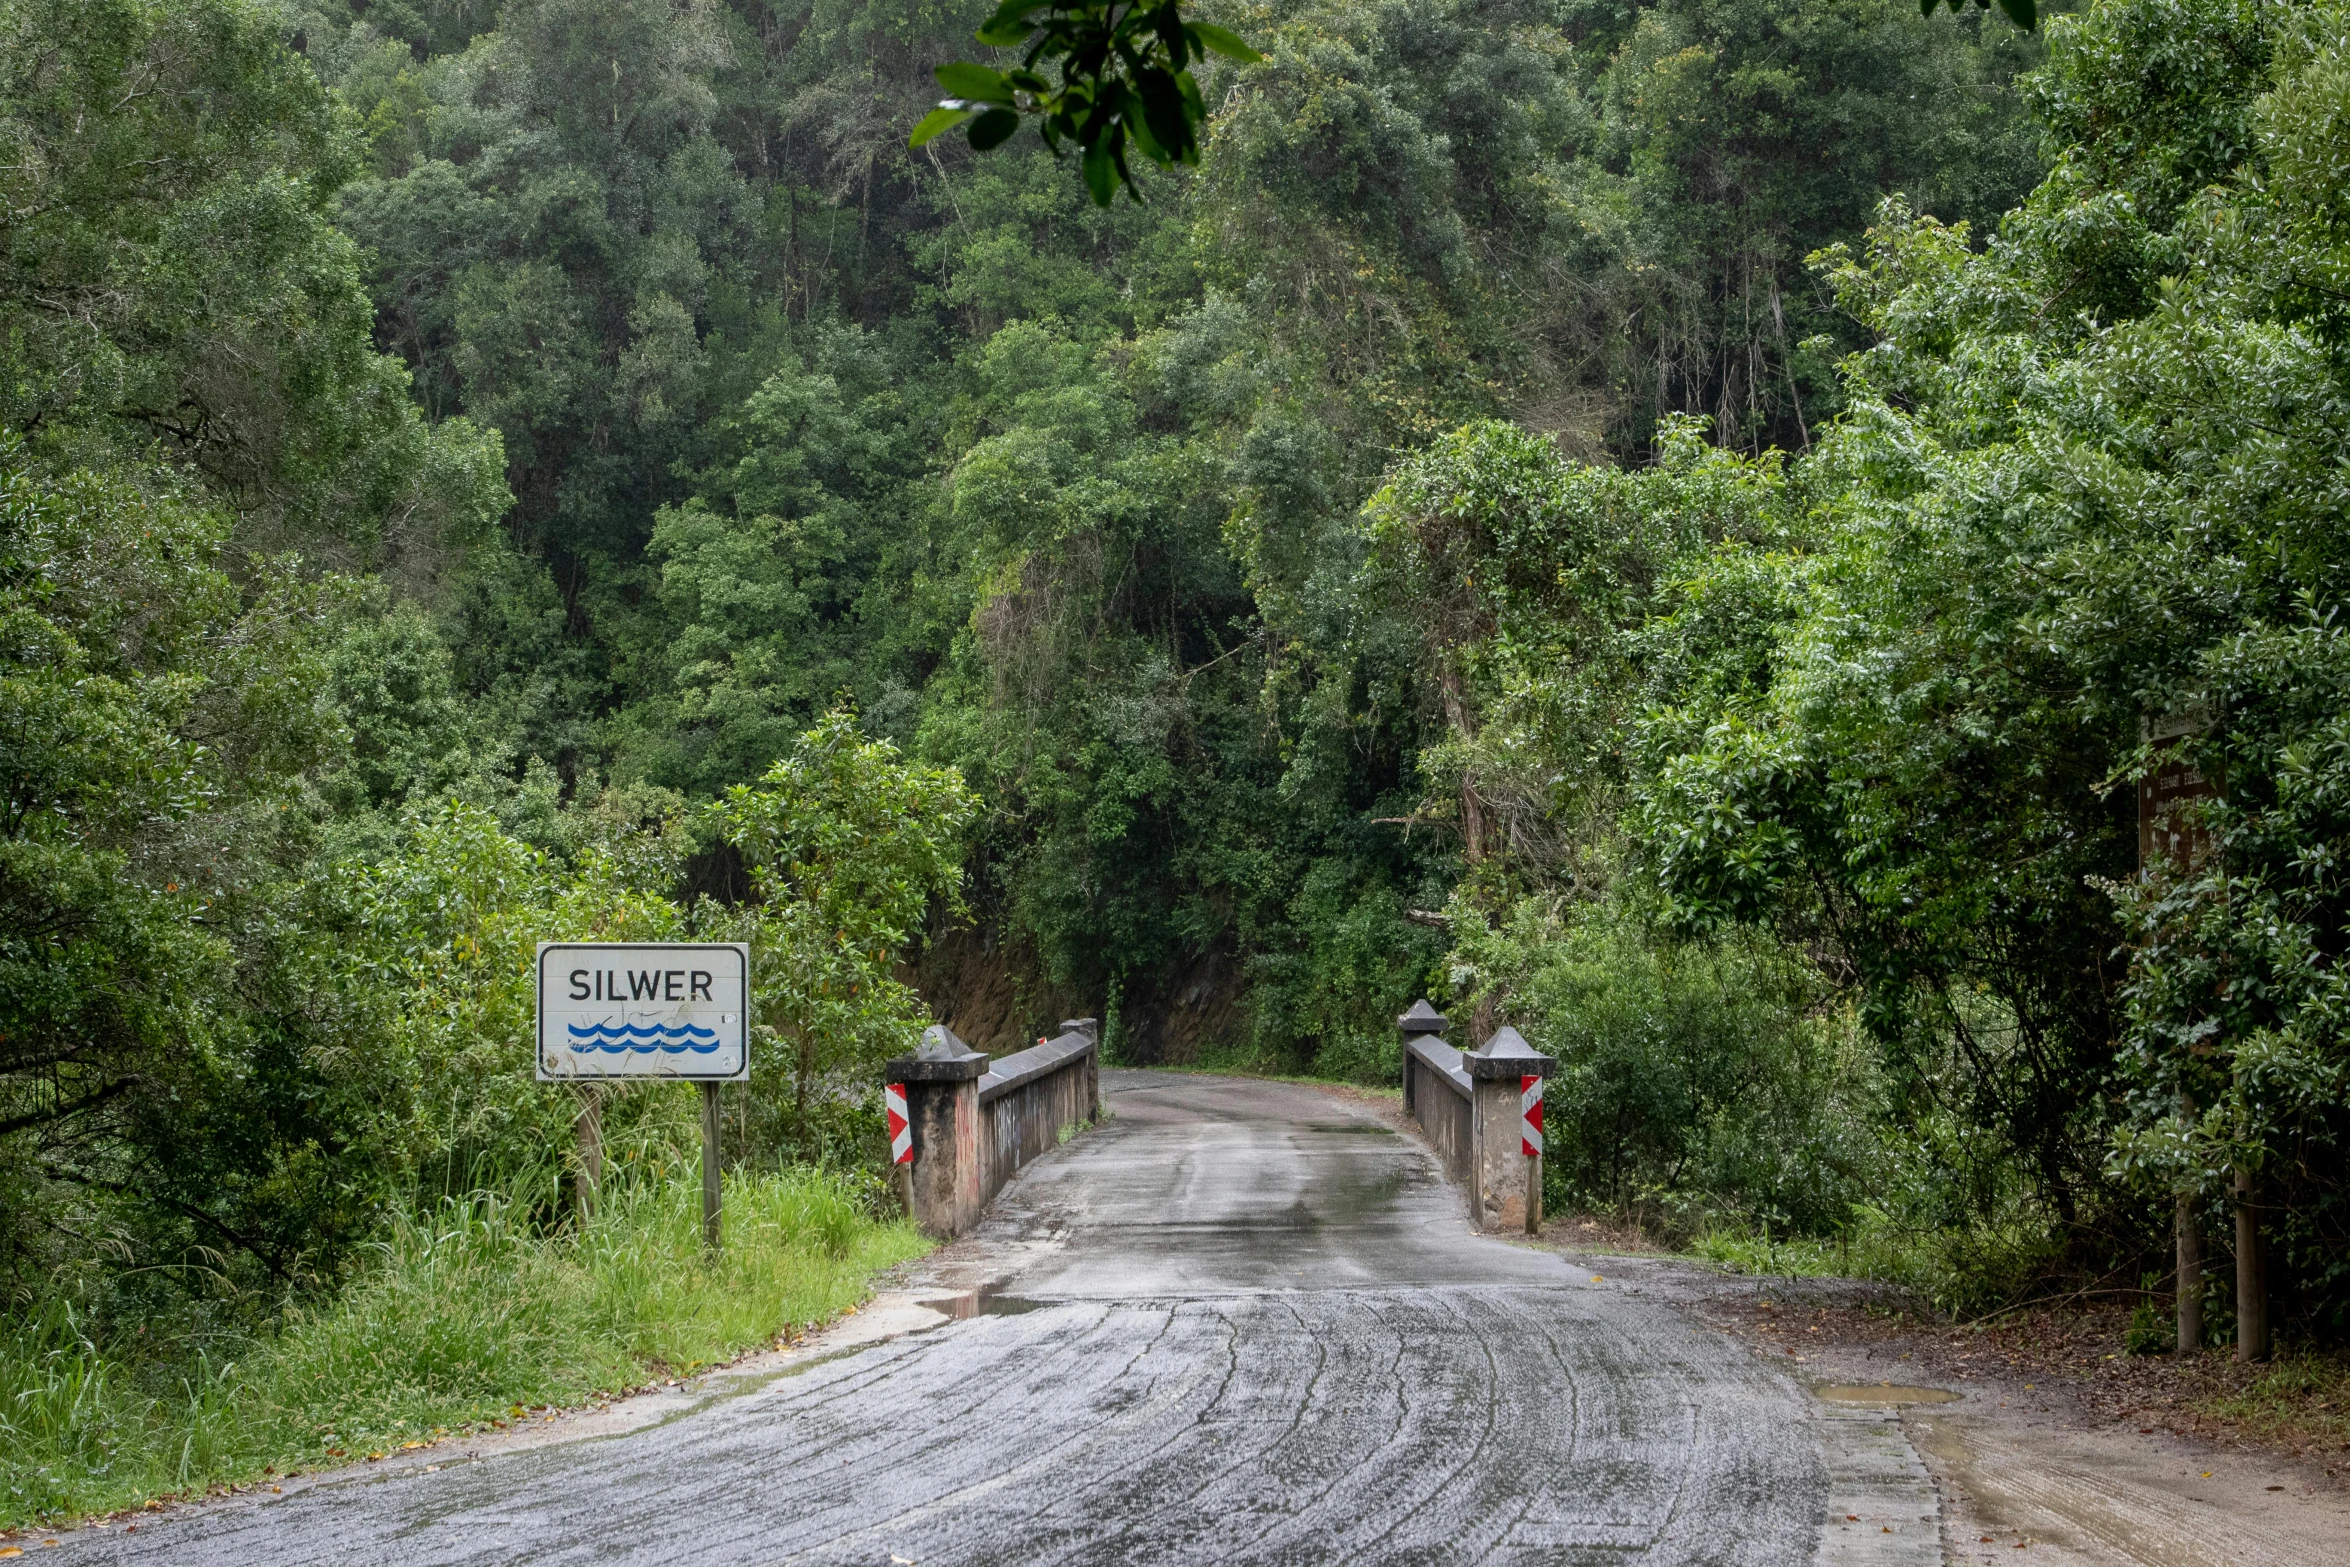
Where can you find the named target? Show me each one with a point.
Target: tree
(848, 848)
(171, 281)
(172, 1060)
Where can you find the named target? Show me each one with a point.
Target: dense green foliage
(1889, 704)
(481, 472)
(1062, 497)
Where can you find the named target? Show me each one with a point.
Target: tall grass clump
(459, 1314)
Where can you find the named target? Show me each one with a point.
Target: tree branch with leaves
(1098, 79)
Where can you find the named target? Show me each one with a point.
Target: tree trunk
(2190, 1286)
(1464, 723)
(2252, 1338)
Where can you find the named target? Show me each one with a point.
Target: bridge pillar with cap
(1091, 1028)
(1422, 1021)
(942, 1107)
(1502, 1179)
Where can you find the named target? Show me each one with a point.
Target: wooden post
(2190, 1295)
(710, 1168)
(2252, 1339)
(589, 1127)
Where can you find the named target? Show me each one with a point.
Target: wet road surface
(1248, 1324)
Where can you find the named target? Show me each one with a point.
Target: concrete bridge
(976, 1123)
(1238, 1321)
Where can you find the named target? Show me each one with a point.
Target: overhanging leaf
(1010, 25)
(1229, 44)
(1101, 175)
(942, 118)
(976, 82)
(993, 129)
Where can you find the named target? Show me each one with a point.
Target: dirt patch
(980, 989)
(2298, 1409)
(2057, 1440)
(1599, 1232)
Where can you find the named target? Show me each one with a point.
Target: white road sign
(647, 1009)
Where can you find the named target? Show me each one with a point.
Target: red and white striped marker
(901, 1131)
(1530, 1114)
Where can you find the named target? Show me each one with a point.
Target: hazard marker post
(901, 1141)
(1530, 1135)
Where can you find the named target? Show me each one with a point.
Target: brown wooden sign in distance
(2166, 829)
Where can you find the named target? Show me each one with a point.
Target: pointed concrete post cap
(941, 1058)
(1507, 1054)
(1421, 1019)
(1090, 1027)
(940, 1044)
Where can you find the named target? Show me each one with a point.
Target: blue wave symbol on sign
(644, 1039)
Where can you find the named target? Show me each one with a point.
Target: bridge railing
(1467, 1104)
(976, 1122)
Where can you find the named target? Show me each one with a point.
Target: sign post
(710, 1125)
(666, 1010)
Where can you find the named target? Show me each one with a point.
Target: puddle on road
(1883, 1395)
(982, 1302)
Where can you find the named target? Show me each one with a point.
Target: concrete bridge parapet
(976, 1122)
(1467, 1104)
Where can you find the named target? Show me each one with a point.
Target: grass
(1965, 1272)
(464, 1318)
(2300, 1403)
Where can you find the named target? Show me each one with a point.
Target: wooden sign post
(710, 1125)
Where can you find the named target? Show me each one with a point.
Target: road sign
(901, 1132)
(1530, 1114)
(662, 1009)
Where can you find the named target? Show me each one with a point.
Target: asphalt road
(1250, 1325)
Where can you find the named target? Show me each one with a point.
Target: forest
(1683, 526)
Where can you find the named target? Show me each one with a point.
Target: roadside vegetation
(1681, 526)
(459, 1317)
(1864, 724)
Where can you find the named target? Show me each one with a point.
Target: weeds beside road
(465, 1318)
